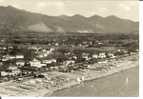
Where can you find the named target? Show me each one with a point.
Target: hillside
(14, 19)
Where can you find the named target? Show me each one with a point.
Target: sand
(45, 87)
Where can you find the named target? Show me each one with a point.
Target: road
(124, 83)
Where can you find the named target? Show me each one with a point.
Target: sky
(128, 9)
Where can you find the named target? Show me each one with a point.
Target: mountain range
(21, 20)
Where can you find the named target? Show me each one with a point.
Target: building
(102, 55)
(85, 56)
(103, 62)
(13, 71)
(49, 61)
(94, 56)
(29, 70)
(36, 63)
(69, 62)
(20, 62)
(44, 53)
(111, 55)
(75, 57)
(4, 58)
(19, 56)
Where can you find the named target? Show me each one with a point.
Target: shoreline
(100, 75)
(93, 78)
(40, 89)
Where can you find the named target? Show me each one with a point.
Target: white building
(75, 57)
(36, 63)
(49, 61)
(19, 56)
(56, 44)
(14, 69)
(69, 62)
(95, 56)
(85, 55)
(13, 73)
(4, 59)
(45, 53)
(3, 73)
(20, 63)
(7, 57)
(102, 55)
(103, 62)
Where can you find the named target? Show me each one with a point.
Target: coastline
(40, 89)
(111, 72)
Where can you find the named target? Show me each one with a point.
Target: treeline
(45, 38)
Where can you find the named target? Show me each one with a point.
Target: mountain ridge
(22, 20)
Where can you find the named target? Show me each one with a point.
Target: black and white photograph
(69, 48)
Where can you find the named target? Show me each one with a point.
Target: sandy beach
(58, 80)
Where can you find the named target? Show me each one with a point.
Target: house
(69, 62)
(85, 56)
(36, 63)
(100, 43)
(8, 57)
(4, 48)
(74, 57)
(103, 62)
(20, 62)
(119, 50)
(12, 68)
(111, 55)
(44, 53)
(33, 47)
(10, 47)
(56, 44)
(52, 49)
(68, 53)
(3, 73)
(29, 70)
(12, 57)
(14, 71)
(5, 58)
(102, 55)
(19, 56)
(49, 61)
(94, 56)
(125, 51)
(41, 55)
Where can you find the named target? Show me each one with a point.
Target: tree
(29, 54)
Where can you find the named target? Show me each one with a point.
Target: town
(64, 55)
(69, 48)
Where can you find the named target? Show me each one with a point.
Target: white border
(141, 49)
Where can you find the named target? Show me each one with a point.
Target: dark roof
(28, 68)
